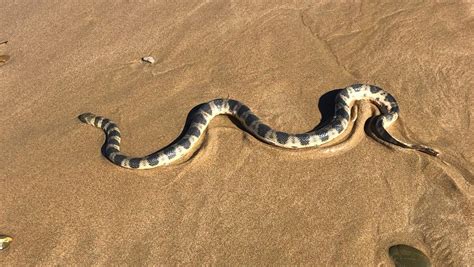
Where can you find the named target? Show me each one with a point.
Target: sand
(238, 201)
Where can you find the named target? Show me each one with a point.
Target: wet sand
(238, 201)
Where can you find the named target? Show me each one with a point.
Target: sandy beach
(238, 201)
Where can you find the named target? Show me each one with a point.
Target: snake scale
(181, 149)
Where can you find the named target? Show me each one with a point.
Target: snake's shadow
(326, 106)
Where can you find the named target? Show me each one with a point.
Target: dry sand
(238, 201)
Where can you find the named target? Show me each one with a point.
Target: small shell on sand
(150, 60)
(5, 241)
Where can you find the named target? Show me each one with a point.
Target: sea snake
(181, 149)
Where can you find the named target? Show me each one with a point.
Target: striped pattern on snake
(183, 148)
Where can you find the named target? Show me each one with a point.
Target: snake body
(181, 149)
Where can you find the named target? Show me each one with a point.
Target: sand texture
(238, 200)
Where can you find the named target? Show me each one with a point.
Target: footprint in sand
(406, 256)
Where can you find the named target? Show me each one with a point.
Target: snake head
(86, 117)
